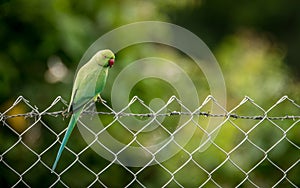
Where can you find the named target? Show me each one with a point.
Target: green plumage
(89, 83)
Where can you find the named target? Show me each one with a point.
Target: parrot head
(105, 58)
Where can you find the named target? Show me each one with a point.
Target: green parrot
(88, 85)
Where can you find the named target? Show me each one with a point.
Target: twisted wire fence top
(250, 147)
(36, 113)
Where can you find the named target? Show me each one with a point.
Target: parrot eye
(111, 62)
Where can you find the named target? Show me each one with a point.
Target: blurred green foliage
(255, 42)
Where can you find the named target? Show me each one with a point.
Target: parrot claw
(65, 113)
(99, 99)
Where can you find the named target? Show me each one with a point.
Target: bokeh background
(256, 44)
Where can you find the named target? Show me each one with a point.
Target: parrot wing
(84, 89)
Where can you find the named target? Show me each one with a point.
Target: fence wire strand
(237, 160)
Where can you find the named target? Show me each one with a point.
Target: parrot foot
(65, 113)
(99, 99)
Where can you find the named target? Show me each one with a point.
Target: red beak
(111, 62)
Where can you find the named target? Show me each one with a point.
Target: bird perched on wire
(88, 85)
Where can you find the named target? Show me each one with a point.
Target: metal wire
(279, 130)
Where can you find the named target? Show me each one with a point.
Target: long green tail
(71, 126)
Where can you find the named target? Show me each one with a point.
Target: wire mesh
(252, 147)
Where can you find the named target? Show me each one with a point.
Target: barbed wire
(35, 113)
(245, 158)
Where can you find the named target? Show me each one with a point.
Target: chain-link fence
(250, 147)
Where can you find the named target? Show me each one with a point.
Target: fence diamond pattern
(251, 147)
